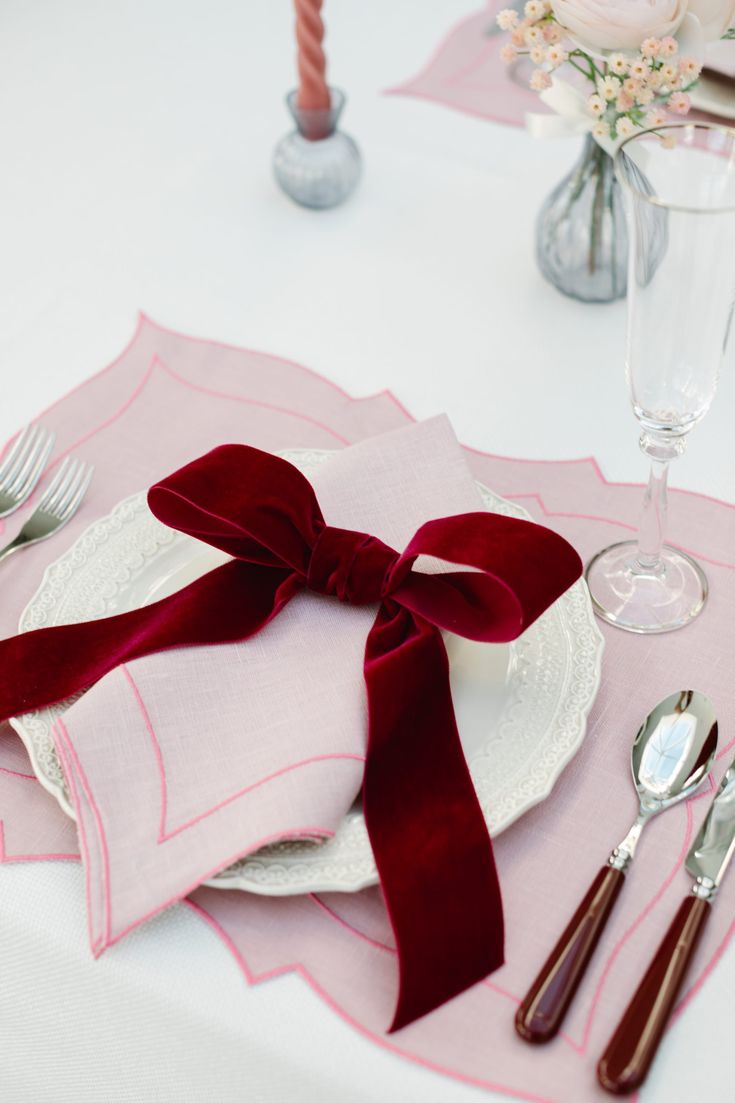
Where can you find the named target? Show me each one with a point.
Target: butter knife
(625, 1063)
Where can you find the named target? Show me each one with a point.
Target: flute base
(317, 165)
(646, 599)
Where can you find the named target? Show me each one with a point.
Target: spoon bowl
(673, 750)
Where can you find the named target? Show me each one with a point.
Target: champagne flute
(679, 186)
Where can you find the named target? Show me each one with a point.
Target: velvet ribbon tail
(427, 830)
(48, 665)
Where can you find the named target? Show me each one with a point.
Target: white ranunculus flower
(714, 15)
(620, 24)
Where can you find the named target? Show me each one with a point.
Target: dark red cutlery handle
(625, 1063)
(542, 1012)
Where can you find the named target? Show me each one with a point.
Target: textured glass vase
(581, 236)
(317, 165)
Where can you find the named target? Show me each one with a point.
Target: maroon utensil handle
(625, 1063)
(542, 1012)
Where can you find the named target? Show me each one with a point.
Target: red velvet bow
(428, 834)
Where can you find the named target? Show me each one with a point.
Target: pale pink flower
(537, 55)
(668, 47)
(596, 105)
(556, 56)
(624, 127)
(618, 64)
(715, 16)
(551, 33)
(655, 79)
(619, 24)
(668, 73)
(518, 37)
(656, 117)
(608, 87)
(540, 80)
(534, 10)
(644, 96)
(624, 102)
(679, 103)
(507, 19)
(651, 47)
(631, 87)
(689, 68)
(533, 35)
(601, 129)
(508, 54)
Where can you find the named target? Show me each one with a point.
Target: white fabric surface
(136, 173)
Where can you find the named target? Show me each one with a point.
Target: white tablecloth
(136, 145)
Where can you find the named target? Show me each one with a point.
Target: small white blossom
(656, 117)
(644, 96)
(689, 68)
(533, 35)
(534, 9)
(608, 87)
(668, 47)
(552, 33)
(639, 69)
(537, 55)
(540, 80)
(624, 127)
(556, 56)
(596, 105)
(668, 73)
(601, 129)
(618, 64)
(507, 19)
(651, 47)
(679, 103)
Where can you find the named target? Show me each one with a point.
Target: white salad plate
(521, 707)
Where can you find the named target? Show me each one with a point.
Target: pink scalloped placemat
(341, 944)
(466, 73)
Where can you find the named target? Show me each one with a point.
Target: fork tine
(53, 488)
(33, 468)
(20, 462)
(10, 457)
(73, 505)
(73, 483)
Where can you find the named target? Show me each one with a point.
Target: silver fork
(57, 506)
(21, 469)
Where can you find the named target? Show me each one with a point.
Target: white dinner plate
(521, 708)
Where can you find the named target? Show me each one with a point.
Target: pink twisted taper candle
(313, 90)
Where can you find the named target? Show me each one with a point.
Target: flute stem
(652, 524)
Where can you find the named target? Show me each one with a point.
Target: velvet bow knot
(428, 835)
(353, 567)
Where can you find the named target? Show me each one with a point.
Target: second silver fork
(59, 503)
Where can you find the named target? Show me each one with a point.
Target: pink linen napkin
(181, 762)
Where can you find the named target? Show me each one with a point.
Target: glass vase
(581, 236)
(317, 164)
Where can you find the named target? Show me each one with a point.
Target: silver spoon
(672, 754)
